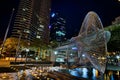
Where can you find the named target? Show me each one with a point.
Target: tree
(11, 44)
(113, 44)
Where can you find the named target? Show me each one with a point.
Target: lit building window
(18, 31)
(40, 29)
(38, 36)
(53, 14)
(37, 32)
(27, 31)
(24, 9)
(24, 19)
(59, 33)
(42, 26)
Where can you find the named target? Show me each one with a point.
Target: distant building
(57, 30)
(32, 20)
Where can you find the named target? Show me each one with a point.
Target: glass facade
(58, 30)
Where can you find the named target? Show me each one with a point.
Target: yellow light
(96, 73)
(119, 0)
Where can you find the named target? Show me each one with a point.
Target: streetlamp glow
(55, 52)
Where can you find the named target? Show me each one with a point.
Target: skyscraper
(32, 20)
(57, 30)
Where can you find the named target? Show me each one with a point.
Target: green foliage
(11, 44)
(113, 27)
(114, 43)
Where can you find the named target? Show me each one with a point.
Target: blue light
(74, 73)
(85, 71)
(49, 26)
(74, 48)
(53, 14)
(60, 33)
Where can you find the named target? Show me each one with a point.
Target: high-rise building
(32, 20)
(57, 30)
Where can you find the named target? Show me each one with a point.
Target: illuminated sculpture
(92, 41)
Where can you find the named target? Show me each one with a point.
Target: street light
(55, 55)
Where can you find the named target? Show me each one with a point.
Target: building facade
(57, 30)
(32, 20)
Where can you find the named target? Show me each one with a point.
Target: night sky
(6, 7)
(73, 11)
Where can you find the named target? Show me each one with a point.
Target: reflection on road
(94, 74)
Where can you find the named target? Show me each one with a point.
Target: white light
(27, 50)
(38, 37)
(83, 55)
(36, 58)
(55, 52)
(42, 26)
(117, 57)
(85, 71)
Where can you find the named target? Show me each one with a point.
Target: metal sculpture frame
(92, 41)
